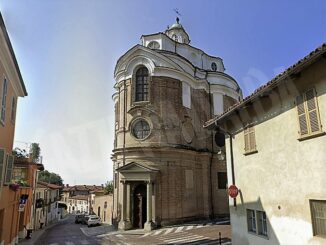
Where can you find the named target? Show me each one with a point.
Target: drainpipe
(124, 120)
(231, 156)
(212, 150)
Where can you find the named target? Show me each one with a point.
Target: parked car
(93, 220)
(84, 220)
(79, 218)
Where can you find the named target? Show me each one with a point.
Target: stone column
(149, 224)
(124, 224)
(128, 203)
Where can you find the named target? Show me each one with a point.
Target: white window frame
(319, 228)
(251, 220)
(4, 92)
(2, 166)
(262, 223)
(218, 103)
(186, 95)
(13, 109)
(257, 223)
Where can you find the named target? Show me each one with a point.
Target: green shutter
(2, 161)
(10, 166)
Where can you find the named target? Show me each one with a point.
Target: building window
(13, 110)
(175, 37)
(251, 220)
(214, 66)
(153, 45)
(141, 129)
(186, 95)
(262, 223)
(257, 222)
(9, 169)
(19, 174)
(3, 101)
(222, 180)
(2, 163)
(318, 214)
(308, 113)
(141, 84)
(249, 140)
(218, 103)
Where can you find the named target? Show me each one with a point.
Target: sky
(67, 51)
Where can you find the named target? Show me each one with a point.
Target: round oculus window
(141, 129)
(153, 45)
(214, 66)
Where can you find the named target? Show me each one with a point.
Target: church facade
(167, 167)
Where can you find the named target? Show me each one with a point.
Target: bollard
(220, 238)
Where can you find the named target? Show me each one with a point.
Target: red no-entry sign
(233, 191)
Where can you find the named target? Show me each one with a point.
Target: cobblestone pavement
(185, 234)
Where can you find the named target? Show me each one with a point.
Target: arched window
(141, 84)
(154, 45)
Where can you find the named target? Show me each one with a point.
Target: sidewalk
(98, 230)
(37, 234)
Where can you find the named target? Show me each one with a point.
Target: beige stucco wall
(99, 208)
(285, 173)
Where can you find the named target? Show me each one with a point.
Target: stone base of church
(124, 225)
(148, 226)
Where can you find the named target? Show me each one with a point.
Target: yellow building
(102, 205)
(11, 87)
(278, 162)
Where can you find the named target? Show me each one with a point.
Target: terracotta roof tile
(314, 54)
(44, 185)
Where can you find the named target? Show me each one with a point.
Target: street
(66, 233)
(197, 234)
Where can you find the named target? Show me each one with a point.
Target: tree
(35, 152)
(49, 177)
(108, 189)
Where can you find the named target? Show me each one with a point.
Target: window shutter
(10, 166)
(318, 209)
(302, 115)
(312, 111)
(2, 163)
(252, 139)
(246, 138)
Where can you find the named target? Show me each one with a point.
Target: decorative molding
(163, 66)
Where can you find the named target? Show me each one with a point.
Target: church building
(167, 166)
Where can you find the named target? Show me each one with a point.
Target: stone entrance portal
(137, 181)
(139, 207)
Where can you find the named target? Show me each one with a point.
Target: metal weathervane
(177, 11)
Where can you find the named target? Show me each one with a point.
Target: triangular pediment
(136, 168)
